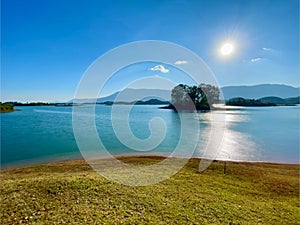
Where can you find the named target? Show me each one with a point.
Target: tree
(186, 97)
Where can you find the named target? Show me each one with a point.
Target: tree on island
(200, 97)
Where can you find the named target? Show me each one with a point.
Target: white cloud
(256, 59)
(161, 68)
(266, 49)
(180, 62)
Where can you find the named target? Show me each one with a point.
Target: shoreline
(21, 165)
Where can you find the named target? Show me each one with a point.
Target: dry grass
(72, 193)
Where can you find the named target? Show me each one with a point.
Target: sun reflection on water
(235, 145)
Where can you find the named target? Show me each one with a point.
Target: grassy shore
(72, 193)
(4, 108)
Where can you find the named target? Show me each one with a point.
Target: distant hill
(281, 101)
(248, 102)
(272, 99)
(260, 91)
(131, 95)
(266, 101)
(148, 102)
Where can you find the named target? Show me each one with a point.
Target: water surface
(44, 134)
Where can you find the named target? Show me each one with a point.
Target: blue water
(44, 134)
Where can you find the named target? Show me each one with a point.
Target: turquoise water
(44, 134)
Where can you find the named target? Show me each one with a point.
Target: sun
(227, 49)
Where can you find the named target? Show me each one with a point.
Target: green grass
(6, 108)
(72, 193)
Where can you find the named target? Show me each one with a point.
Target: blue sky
(46, 46)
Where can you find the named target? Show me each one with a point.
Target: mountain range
(130, 95)
(248, 92)
(260, 91)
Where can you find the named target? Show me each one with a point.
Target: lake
(42, 134)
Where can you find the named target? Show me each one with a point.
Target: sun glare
(227, 49)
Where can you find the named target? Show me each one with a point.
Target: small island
(190, 98)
